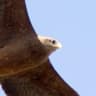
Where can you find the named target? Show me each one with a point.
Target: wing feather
(14, 20)
(17, 37)
(42, 81)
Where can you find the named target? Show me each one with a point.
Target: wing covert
(14, 20)
(41, 81)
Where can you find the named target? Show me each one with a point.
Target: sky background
(73, 23)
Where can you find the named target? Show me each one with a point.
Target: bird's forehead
(46, 38)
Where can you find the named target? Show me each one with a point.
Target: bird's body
(20, 56)
(25, 69)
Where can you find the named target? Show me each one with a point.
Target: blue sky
(73, 22)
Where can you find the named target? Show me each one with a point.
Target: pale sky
(73, 22)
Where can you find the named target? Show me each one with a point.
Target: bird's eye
(53, 41)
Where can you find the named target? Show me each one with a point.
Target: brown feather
(41, 81)
(18, 40)
(24, 68)
(14, 21)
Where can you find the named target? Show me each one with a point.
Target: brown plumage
(24, 66)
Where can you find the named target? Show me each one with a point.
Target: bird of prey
(25, 69)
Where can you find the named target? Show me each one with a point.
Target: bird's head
(50, 44)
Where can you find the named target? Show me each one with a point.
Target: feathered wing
(14, 19)
(16, 36)
(54, 83)
(42, 81)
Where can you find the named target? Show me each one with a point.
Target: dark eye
(53, 41)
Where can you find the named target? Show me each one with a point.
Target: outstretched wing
(14, 20)
(16, 33)
(54, 83)
(42, 81)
